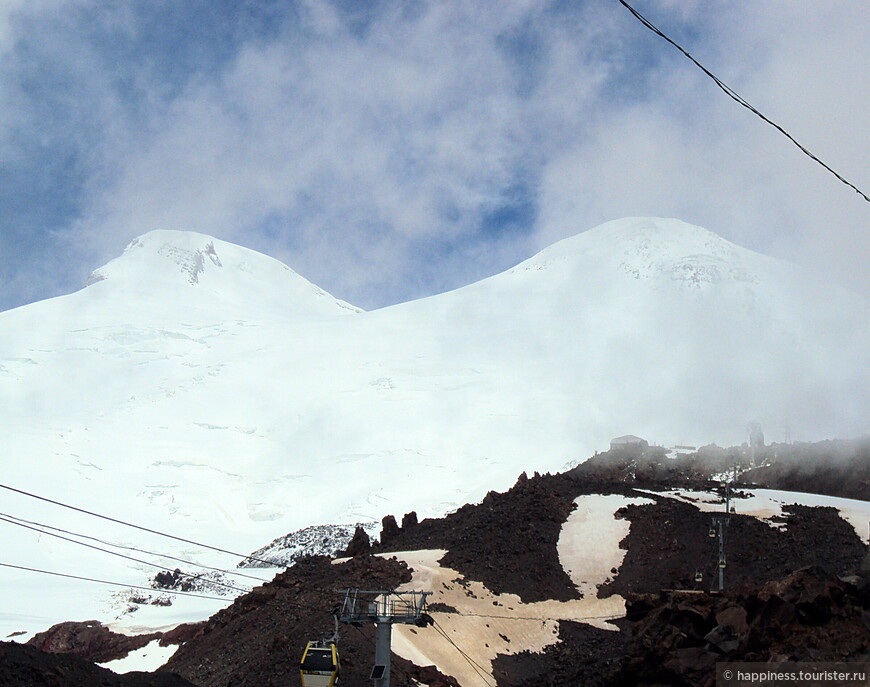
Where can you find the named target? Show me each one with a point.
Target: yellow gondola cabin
(319, 666)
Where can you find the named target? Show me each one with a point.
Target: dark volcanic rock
(837, 468)
(389, 529)
(360, 544)
(668, 542)
(182, 633)
(174, 580)
(585, 655)
(500, 540)
(652, 468)
(27, 666)
(90, 640)
(678, 636)
(427, 675)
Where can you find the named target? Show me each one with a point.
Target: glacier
(204, 389)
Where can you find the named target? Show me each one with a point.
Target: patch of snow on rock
(317, 540)
(588, 545)
(484, 624)
(767, 505)
(149, 658)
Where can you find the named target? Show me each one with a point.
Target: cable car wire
(479, 669)
(465, 656)
(739, 99)
(524, 617)
(270, 564)
(114, 584)
(132, 548)
(475, 666)
(129, 558)
(239, 555)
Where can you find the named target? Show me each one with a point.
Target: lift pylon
(383, 609)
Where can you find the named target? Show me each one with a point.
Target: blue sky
(391, 150)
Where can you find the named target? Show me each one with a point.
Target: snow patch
(588, 545)
(317, 540)
(147, 659)
(487, 624)
(767, 505)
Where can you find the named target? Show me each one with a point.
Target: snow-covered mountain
(210, 391)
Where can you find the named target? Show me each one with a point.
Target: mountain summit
(648, 248)
(165, 266)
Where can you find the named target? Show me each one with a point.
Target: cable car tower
(383, 609)
(720, 523)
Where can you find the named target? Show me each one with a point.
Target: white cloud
(351, 148)
(690, 152)
(363, 154)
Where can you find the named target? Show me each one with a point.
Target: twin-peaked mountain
(197, 383)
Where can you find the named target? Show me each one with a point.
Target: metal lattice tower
(720, 523)
(383, 609)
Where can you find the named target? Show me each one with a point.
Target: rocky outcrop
(90, 640)
(26, 666)
(810, 615)
(93, 641)
(360, 544)
(498, 541)
(584, 655)
(837, 468)
(389, 529)
(316, 540)
(182, 633)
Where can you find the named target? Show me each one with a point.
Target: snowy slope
(207, 390)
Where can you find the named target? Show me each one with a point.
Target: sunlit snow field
(208, 391)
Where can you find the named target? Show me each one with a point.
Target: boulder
(360, 544)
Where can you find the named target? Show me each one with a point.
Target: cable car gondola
(319, 666)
